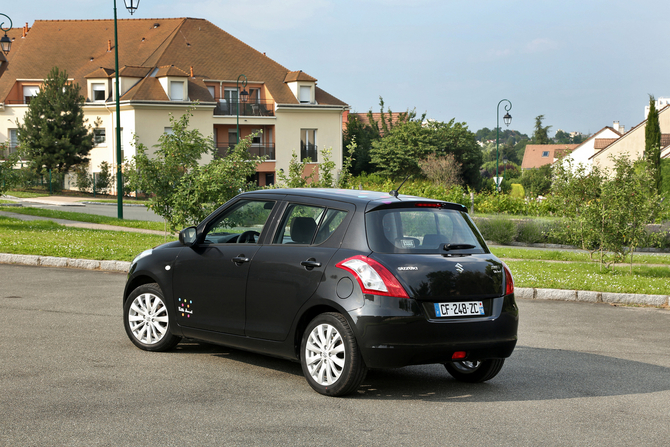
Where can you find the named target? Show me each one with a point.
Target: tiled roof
(365, 119)
(170, 70)
(601, 143)
(532, 156)
(101, 73)
(293, 76)
(80, 47)
(134, 72)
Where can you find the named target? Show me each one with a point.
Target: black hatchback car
(340, 280)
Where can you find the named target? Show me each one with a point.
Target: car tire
(146, 318)
(329, 355)
(475, 371)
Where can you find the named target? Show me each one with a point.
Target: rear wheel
(146, 319)
(475, 371)
(329, 355)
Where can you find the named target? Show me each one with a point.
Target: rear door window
(308, 224)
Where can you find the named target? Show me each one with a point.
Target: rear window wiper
(447, 247)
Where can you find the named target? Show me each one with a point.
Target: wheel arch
(308, 316)
(136, 282)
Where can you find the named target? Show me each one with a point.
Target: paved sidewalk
(74, 223)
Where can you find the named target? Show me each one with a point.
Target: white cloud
(540, 46)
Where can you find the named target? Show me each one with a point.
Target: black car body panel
(261, 295)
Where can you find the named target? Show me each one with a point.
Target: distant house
(584, 151)
(631, 144)
(537, 155)
(364, 119)
(167, 66)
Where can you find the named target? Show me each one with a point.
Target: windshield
(429, 230)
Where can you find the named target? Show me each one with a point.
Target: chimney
(109, 46)
(192, 72)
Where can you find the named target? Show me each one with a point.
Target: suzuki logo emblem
(459, 267)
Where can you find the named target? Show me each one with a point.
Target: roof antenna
(394, 193)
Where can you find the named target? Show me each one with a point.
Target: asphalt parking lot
(582, 374)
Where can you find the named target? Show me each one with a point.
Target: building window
(30, 91)
(99, 93)
(545, 154)
(168, 130)
(176, 91)
(305, 94)
(12, 143)
(99, 136)
(308, 145)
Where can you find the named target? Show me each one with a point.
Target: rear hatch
(436, 252)
(435, 277)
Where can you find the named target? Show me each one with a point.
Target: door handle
(240, 259)
(310, 264)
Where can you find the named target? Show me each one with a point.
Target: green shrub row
(503, 231)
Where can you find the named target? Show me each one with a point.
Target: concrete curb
(52, 261)
(591, 297)
(520, 292)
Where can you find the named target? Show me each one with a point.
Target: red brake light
(374, 278)
(459, 355)
(509, 280)
(429, 205)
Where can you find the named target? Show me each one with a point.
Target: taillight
(509, 280)
(374, 278)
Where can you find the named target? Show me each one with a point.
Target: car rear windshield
(425, 230)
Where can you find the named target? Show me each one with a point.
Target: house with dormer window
(167, 66)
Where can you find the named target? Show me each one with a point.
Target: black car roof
(361, 197)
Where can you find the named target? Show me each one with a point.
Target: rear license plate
(462, 309)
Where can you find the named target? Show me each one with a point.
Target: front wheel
(329, 355)
(475, 371)
(146, 319)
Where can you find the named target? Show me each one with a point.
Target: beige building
(167, 66)
(631, 143)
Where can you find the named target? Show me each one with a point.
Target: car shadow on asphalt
(529, 374)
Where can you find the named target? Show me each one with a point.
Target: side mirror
(188, 236)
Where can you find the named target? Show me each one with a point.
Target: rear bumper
(395, 332)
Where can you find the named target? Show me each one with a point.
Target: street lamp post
(131, 6)
(507, 119)
(241, 98)
(5, 41)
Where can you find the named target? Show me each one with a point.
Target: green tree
(399, 152)
(541, 134)
(537, 181)
(652, 144)
(8, 175)
(54, 134)
(562, 137)
(182, 190)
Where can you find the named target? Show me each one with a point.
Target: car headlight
(144, 254)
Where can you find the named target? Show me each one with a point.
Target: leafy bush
(530, 232)
(499, 230)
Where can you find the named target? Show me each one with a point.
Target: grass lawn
(83, 217)
(47, 238)
(50, 239)
(572, 255)
(587, 276)
(26, 194)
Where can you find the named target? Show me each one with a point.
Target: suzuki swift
(339, 280)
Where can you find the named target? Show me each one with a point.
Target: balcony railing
(260, 150)
(256, 108)
(308, 150)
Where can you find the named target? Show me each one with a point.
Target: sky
(582, 64)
